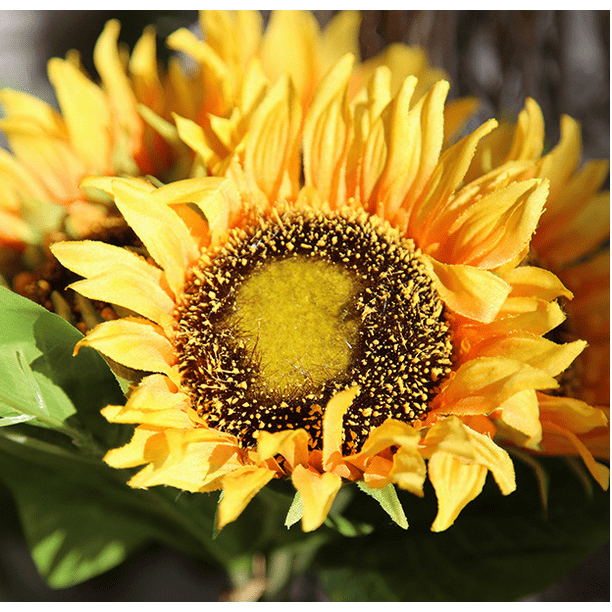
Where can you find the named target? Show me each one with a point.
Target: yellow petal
(239, 488)
(333, 428)
(497, 227)
(131, 290)
(147, 444)
(409, 471)
(85, 111)
(494, 380)
(271, 154)
(390, 433)
(192, 458)
(289, 46)
(429, 113)
(473, 293)
(448, 435)
(135, 343)
(572, 414)
(91, 258)
(161, 230)
(528, 139)
(326, 132)
(456, 484)
(528, 281)
(533, 350)
(17, 103)
(521, 412)
(318, 492)
(153, 403)
(117, 85)
(600, 473)
(292, 445)
(445, 179)
(341, 36)
(585, 232)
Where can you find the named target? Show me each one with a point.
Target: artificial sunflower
(239, 62)
(570, 242)
(353, 327)
(100, 131)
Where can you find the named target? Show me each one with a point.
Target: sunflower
(569, 242)
(239, 61)
(366, 323)
(99, 131)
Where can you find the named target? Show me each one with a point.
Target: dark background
(560, 58)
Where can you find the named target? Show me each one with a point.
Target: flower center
(298, 317)
(300, 305)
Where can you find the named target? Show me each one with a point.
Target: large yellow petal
(533, 350)
(318, 492)
(445, 179)
(147, 444)
(521, 412)
(91, 258)
(117, 85)
(161, 230)
(529, 281)
(239, 488)
(86, 113)
(191, 458)
(456, 484)
(289, 46)
(333, 428)
(471, 292)
(131, 290)
(600, 473)
(135, 343)
(341, 36)
(572, 414)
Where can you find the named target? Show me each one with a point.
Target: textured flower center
(299, 306)
(298, 316)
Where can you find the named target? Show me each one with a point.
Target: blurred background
(560, 58)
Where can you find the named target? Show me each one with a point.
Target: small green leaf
(389, 502)
(296, 511)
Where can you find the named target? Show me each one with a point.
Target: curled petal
(456, 484)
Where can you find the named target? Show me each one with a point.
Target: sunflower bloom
(239, 62)
(352, 327)
(568, 242)
(98, 132)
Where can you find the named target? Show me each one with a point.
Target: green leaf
(42, 379)
(389, 502)
(80, 519)
(296, 511)
(499, 549)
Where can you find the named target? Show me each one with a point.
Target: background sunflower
(501, 57)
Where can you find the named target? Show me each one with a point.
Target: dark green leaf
(499, 549)
(80, 519)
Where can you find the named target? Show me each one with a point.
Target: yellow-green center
(296, 317)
